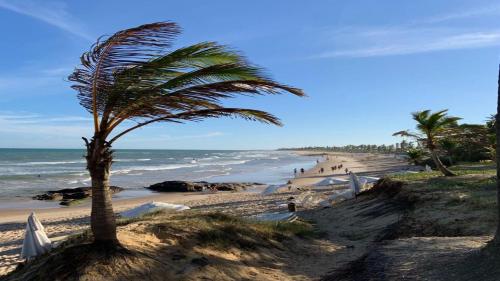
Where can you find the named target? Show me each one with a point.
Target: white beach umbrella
(330, 181)
(355, 184)
(270, 189)
(369, 179)
(152, 207)
(35, 241)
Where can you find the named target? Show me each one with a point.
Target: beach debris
(152, 207)
(35, 241)
(69, 195)
(276, 217)
(188, 186)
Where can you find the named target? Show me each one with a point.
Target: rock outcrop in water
(187, 186)
(68, 196)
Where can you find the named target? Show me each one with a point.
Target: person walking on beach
(302, 170)
(295, 172)
(346, 171)
(321, 171)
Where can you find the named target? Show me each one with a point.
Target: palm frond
(94, 80)
(199, 115)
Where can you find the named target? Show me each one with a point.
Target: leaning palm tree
(133, 75)
(432, 126)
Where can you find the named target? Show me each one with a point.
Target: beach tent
(270, 189)
(355, 184)
(35, 241)
(276, 217)
(331, 181)
(152, 207)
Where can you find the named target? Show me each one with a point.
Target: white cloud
(51, 12)
(39, 130)
(470, 13)
(404, 41)
(420, 36)
(36, 124)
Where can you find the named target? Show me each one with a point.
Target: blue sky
(364, 64)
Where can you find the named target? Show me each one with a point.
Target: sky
(365, 66)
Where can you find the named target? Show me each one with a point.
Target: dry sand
(60, 222)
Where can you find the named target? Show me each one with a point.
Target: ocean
(26, 172)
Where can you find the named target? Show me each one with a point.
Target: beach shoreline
(61, 222)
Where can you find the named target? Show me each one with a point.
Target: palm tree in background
(415, 155)
(432, 126)
(134, 76)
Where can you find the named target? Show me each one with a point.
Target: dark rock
(187, 186)
(67, 196)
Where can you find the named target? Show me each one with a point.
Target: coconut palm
(133, 75)
(432, 126)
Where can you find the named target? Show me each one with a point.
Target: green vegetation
(362, 148)
(432, 126)
(451, 206)
(224, 231)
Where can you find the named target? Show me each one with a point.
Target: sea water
(26, 172)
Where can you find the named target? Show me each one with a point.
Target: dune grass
(453, 206)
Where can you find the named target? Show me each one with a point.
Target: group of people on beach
(302, 171)
(339, 167)
(322, 170)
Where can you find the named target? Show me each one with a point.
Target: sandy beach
(61, 222)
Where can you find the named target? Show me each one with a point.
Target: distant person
(317, 161)
(333, 168)
(295, 172)
(301, 170)
(322, 170)
(346, 171)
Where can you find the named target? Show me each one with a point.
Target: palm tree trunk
(440, 165)
(102, 217)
